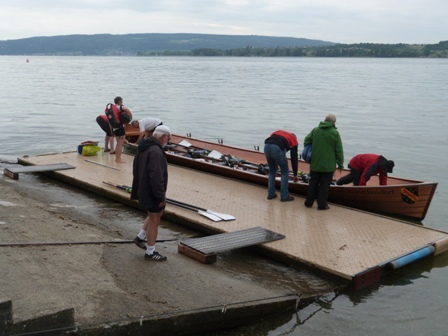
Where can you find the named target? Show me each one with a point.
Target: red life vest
(290, 138)
(113, 112)
(116, 116)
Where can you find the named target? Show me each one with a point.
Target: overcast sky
(344, 21)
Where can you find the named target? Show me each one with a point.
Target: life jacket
(116, 116)
(113, 112)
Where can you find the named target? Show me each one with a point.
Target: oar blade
(222, 216)
(209, 215)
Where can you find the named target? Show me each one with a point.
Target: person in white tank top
(146, 126)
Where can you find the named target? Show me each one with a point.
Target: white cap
(163, 129)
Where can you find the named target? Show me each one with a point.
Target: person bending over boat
(327, 153)
(109, 139)
(149, 184)
(146, 127)
(275, 148)
(364, 166)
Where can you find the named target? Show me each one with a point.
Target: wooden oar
(214, 216)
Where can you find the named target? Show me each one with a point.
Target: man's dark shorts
(119, 131)
(155, 209)
(104, 125)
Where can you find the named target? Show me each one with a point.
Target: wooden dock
(350, 245)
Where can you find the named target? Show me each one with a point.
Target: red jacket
(368, 164)
(286, 141)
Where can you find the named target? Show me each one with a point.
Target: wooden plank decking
(341, 242)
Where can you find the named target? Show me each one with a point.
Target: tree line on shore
(439, 50)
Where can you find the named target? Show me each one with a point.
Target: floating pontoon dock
(351, 245)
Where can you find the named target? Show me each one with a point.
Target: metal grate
(232, 240)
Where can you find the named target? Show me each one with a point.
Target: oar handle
(119, 186)
(184, 205)
(126, 188)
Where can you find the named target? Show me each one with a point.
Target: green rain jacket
(327, 151)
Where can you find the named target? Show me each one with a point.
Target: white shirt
(148, 124)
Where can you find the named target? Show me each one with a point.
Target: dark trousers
(354, 176)
(319, 187)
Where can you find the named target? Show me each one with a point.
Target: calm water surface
(395, 107)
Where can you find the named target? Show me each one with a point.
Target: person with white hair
(149, 185)
(327, 153)
(146, 126)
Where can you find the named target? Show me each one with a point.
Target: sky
(340, 21)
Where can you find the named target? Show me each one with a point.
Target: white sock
(142, 235)
(150, 250)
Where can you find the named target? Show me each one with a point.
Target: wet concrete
(112, 283)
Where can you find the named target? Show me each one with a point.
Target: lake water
(393, 107)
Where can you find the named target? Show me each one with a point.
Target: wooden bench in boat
(205, 249)
(13, 172)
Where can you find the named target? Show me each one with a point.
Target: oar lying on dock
(213, 215)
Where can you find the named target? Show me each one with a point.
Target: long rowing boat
(402, 197)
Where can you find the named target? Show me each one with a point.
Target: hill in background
(133, 44)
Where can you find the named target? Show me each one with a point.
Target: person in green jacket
(327, 153)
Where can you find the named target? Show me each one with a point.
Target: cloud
(346, 21)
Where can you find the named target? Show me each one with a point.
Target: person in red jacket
(275, 148)
(364, 166)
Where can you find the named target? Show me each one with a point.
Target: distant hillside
(132, 44)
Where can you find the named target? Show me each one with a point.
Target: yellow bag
(88, 150)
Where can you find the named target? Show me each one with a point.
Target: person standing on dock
(119, 131)
(275, 148)
(109, 139)
(327, 153)
(150, 181)
(364, 166)
(146, 126)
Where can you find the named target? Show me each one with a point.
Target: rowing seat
(205, 249)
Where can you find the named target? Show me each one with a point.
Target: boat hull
(404, 198)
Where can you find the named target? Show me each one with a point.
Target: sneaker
(140, 243)
(155, 256)
(272, 197)
(287, 199)
(307, 205)
(323, 208)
